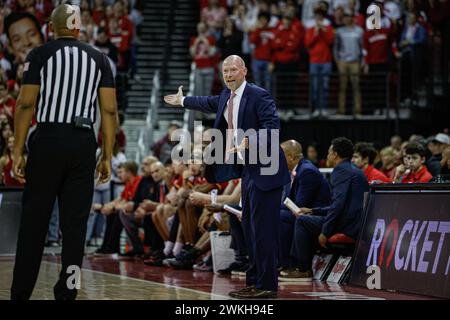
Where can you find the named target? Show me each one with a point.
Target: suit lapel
(221, 110)
(242, 106)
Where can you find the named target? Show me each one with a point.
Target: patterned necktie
(230, 133)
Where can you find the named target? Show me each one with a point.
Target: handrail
(294, 90)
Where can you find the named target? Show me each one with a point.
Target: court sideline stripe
(149, 281)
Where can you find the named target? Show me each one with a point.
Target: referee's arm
(23, 115)
(108, 111)
(109, 119)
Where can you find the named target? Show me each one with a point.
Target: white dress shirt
(236, 102)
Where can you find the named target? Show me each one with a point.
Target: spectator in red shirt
(364, 157)
(378, 44)
(413, 170)
(285, 62)
(6, 132)
(261, 38)
(194, 180)
(214, 17)
(203, 51)
(6, 166)
(121, 34)
(41, 9)
(141, 213)
(128, 174)
(7, 103)
(288, 38)
(98, 12)
(318, 41)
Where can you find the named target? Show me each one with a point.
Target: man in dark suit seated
(308, 188)
(344, 214)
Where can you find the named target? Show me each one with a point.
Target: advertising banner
(407, 235)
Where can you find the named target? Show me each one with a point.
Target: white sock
(177, 248)
(168, 246)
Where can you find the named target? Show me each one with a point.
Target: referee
(63, 82)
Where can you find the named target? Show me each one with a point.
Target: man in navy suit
(308, 188)
(344, 214)
(244, 106)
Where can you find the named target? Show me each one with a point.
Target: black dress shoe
(234, 294)
(132, 254)
(257, 294)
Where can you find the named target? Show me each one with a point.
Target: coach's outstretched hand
(175, 99)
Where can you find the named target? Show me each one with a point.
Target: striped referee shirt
(69, 73)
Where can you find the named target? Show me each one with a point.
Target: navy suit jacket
(257, 111)
(344, 214)
(309, 189)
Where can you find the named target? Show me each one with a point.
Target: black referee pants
(61, 163)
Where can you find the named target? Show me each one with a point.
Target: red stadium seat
(339, 238)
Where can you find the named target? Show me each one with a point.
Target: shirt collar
(239, 91)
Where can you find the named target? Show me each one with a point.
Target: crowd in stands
(109, 25)
(279, 39)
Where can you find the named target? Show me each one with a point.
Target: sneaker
(203, 267)
(241, 272)
(295, 275)
(166, 262)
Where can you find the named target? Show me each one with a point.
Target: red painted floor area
(220, 285)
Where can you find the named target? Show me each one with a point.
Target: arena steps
(164, 46)
(150, 57)
(165, 34)
(184, 19)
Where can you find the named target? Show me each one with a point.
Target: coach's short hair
(13, 17)
(343, 147)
